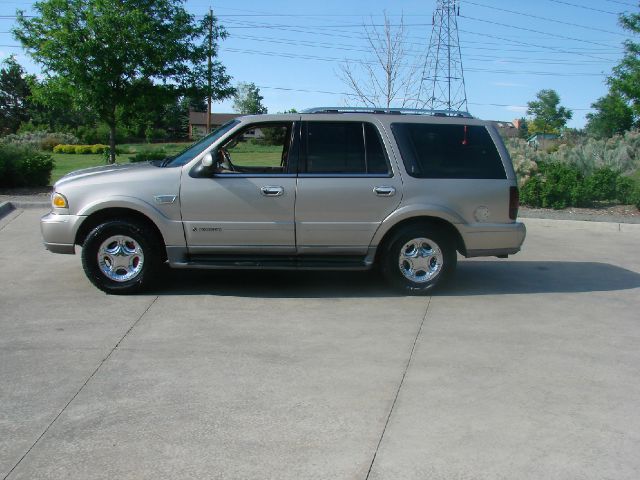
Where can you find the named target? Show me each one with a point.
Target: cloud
(516, 108)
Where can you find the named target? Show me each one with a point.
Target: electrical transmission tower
(442, 83)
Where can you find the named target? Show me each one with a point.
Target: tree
(548, 115)
(612, 116)
(102, 50)
(625, 78)
(248, 100)
(523, 128)
(215, 83)
(14, 95)
(388, 76)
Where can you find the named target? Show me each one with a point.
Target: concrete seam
(395, 399)
(80, 389)
(11, 220)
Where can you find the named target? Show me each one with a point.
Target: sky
(510, 49)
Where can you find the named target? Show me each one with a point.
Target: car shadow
(500, 277)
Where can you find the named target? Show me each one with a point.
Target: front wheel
(121, 257)
(417, 259)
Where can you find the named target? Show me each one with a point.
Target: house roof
(502, 124)
(200, 118)
(543, 136)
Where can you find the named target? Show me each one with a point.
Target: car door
(246, 204)
(346, 187)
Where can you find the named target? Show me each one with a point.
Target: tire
(417, 259)
(121, 257)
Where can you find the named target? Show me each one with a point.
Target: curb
(582, 225)
(5, 208)
(24, 205)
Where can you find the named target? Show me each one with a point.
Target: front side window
(200, 146)
(344, 148)
(258, 149)
(448, 151)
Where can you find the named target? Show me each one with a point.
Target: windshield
(200, 146)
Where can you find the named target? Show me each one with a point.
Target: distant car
(331, 188)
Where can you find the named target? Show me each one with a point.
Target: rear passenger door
(346, 187)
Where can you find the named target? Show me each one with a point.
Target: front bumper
(59, 232)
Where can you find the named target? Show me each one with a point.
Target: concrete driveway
(527, 368)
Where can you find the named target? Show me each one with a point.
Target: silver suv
(330, 188)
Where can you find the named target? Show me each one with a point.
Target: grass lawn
(247, 154)
(66, 162)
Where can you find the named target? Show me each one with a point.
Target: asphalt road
(526, 368)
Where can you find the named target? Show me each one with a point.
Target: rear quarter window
(448, 151)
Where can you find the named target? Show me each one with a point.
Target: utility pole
(442, 81)
(209, 93)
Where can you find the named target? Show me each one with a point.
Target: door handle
(384, 191)
(272, 191)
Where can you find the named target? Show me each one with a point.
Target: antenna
(442, 81)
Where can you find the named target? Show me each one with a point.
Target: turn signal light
(58, 201)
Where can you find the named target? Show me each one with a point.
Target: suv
(330, 188)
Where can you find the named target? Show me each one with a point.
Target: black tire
(138, 245)
(435, 260)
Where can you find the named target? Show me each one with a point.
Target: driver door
(247, 203)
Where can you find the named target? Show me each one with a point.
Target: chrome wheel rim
(421, 260)
(120, 258)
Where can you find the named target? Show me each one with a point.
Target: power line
(547, 19)
(564, 37)
(534, 45)
(621, 3)
(359, 48)
(582, 6)
(336, 59)
(325, 92)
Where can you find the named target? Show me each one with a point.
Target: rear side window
(344, 148)
(448, 151)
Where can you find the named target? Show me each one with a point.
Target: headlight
(58, 201)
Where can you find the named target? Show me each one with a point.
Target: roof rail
(391, 111)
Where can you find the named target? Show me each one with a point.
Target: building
(198, 122)
(543, 140)
(506, 129)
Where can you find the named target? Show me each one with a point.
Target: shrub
(24, 166)
(99, 148)
(40, 140)
(558, 188)
(81, 149)
(601, 184)
(147, 155)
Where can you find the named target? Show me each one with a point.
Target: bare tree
(386, 77)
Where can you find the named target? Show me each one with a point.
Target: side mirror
(205, 168)
(207, 160)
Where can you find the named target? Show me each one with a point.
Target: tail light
(514, 202)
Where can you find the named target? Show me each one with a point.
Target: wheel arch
(422, 220)
(118, 213)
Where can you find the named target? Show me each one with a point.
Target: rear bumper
(59, 232)
(486, 240)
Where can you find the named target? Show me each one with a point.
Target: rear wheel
(121, 257)
(419, 258)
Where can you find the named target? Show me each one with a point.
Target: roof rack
(391, 111)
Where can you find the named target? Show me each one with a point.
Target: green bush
(83, 149)
(24, 166)
(80, 149)
(601, 184)
(558, 185)
(99, 148)
(148, 155)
